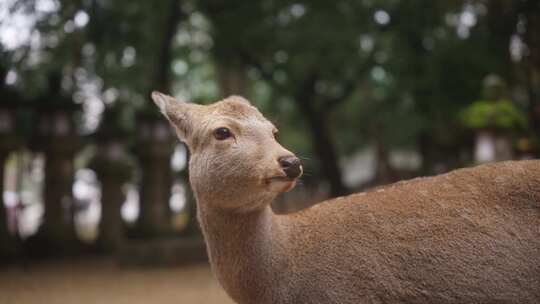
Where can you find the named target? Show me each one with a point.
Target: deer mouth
(282, 179)
(281, 183)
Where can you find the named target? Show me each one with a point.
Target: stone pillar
(111, 230)
(55, 135)
(113, 173)
(58, 225)
(491, 146)
(9, 141)
(8, 242)
(155, 151)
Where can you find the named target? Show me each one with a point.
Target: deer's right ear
(175, 111)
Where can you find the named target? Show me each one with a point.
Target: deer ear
(175, 111)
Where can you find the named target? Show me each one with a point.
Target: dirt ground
(102, 281)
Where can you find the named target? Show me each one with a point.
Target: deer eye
(222, 133)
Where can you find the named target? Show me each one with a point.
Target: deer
(468, 236)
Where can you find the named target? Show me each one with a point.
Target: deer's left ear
(176, 112)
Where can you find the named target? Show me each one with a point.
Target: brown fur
(469, 236)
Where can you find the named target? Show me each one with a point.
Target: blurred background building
(368, 92)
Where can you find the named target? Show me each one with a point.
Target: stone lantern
(56, 136)
(495, 120)
(492, 145)
(155, 147)
(114, 168)
(8, 143)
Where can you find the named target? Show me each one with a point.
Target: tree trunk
(162, 77)
(501, 20)
(322, 139)
(383, 172)
(326, 152)
(425, 146)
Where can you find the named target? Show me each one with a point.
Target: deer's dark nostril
(291, 165)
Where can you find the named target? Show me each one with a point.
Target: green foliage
(500, 115)
(395, 80)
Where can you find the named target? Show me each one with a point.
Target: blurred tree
(417, 69)
(299, 50)
(338, 75)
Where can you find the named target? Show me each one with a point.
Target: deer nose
(291, 165)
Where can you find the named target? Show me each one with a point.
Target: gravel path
(101, 281)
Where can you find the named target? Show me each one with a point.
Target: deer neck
(244, 250)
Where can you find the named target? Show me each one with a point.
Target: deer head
(236, 161)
